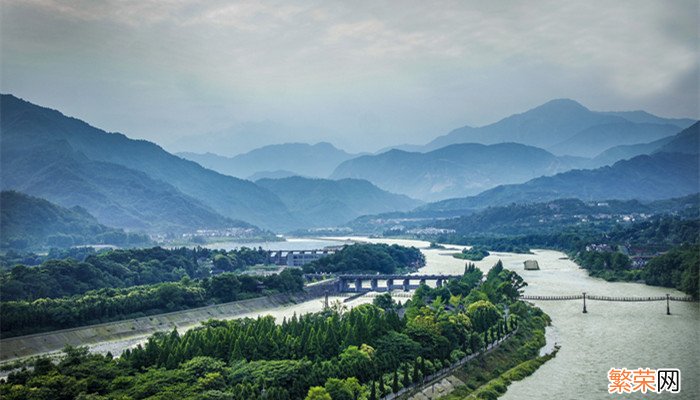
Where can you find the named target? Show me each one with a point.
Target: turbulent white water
(611, 334)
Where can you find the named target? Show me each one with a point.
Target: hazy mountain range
(244, 137)
(123, 182)
(327, 203)
(645, 177)
(562, 126)
(116, 195)
(29, 222)
(317, 160)
(590, 139)
(685, 141)
(454, 170)
(136, 185)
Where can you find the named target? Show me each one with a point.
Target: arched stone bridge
(354, 282)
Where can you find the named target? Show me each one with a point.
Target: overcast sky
(361, 75)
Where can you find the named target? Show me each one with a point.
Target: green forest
(362, 353)
(129, 283)
(120, 268)
(366, 257)
(678, 268)
(674, 241)
(475, 253)
(30, 222)
(21, 317)
(119, 284)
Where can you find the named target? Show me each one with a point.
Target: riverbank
(489, 375)
(611, 334)
(115, 336)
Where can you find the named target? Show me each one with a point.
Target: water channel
(611, 334)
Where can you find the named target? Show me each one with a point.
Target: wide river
(611, 334)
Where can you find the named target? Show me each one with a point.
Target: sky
(226, 76)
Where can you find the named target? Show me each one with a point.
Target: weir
(297, 258)
(408, 281)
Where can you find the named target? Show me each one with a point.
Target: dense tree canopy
(24, 317)
(363, 353)
(117, 269)
(381, 258)
(675, 234)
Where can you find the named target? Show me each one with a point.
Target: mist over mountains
(136, 185)
(33, 222)
(328, 203)
(454, 170)
(318, 160)
(105, 166)
(555, 137)
(554, 126)
(646, 177)
(558, 150)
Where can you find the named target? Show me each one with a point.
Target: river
(611, 334)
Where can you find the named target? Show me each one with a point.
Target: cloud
(333, 63)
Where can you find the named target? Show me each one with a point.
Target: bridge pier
(421, 282)
(668, 305)
(342, 285)
(584, 303)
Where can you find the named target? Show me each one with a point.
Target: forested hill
(29, 223)
(609, 247)
(453, 171)
(548, 217)
(370, 258)
(116, 195)
(326, 203)
(120, 284)
(647, 177)
(366, 352)
(89, 165)
(686, 141)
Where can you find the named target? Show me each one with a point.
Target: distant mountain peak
(558, 107)
(319, 160)
(563, 103)
(559, 120)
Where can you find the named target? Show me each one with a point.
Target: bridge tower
(584, 303)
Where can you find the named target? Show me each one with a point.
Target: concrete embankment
(136, 329)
